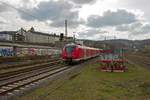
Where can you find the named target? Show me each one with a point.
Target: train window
(69, 49)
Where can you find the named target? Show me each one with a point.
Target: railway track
(22, 64)
(139, 59)
(17, 73)
(14, 71)
(15, 82)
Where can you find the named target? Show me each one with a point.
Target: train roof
(81, 46)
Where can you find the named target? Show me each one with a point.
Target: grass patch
(92, 84)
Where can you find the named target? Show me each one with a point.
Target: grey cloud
(49, 10)
(83, 1)
(71, 23)
(26, 1)
(142, 5)
(4, 8)
(135, 28)
(145, 29)
(92, 34)
(110, 18)
(2, 22)
(123, 28)
(140, 32)
(89, 33)
(56, 11)
(128, 27)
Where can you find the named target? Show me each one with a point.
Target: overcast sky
(87, 19)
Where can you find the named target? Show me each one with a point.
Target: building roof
(40, 33)
(8, 32)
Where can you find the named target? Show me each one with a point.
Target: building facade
(32, 36)
(38, 37)
(6, 35)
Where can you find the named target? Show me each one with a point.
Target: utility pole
(13, 41)
(66, 31)
(74, 37)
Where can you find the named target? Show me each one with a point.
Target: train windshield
(69, 49)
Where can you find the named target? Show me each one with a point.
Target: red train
(75, 53)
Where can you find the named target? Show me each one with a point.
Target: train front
(69, 53)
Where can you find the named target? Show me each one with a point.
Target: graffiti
(6, 52)
(31, 51)
(20, 52)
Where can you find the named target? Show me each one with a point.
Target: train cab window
(69, 49)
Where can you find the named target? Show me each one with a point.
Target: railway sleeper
(12, 85)
(32, 84)
(2, 90)
(6, 87)
(28, 82)
(16, 83)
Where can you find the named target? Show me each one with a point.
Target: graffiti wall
(20, 52)
(6, 51)
(36, 51)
